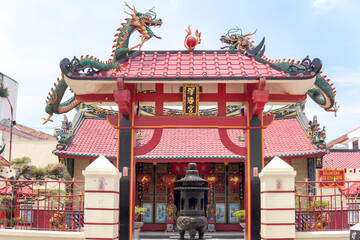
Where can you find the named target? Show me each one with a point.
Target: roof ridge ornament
(191, 42)
(321, 92)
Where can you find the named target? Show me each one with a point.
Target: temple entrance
(226, 195)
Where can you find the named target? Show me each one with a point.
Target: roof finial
(190, 42)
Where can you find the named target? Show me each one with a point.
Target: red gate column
(257, 97)
(125, 162)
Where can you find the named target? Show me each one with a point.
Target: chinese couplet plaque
(190, 99)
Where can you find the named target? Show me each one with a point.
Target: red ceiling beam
(95, 98)
(177, 97)
(286, 98)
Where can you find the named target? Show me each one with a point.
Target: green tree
(3, 93)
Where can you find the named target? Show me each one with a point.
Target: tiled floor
(145, 235)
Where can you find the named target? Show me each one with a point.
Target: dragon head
(232, 39)
(143, 22)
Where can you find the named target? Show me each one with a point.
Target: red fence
(326, 205)
(42, 205)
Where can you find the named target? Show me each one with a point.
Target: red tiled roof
(24, 131)
(94, 137)
(34, 132)
(341, 160)
(352, 190)
(284, 138)
(4, 161)
(197, 64)
(338, 140)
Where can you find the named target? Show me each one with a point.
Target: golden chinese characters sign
(336, 177)
(190, 99)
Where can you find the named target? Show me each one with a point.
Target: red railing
(326, 205)
(42, 205)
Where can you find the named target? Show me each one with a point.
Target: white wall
(338, 235)
(12, 86)
(40, 151)
(300, 166)
(11, 234)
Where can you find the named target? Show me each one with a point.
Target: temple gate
(192, 79)
(224, 77)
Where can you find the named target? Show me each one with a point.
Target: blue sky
(36, 34)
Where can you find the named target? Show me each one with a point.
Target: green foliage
(28, 171)
(57, 171)
(139, 211)
(54, 192)
(21, 161)
(240, 215)
(317, 205)
(3, 93)
(38, 173)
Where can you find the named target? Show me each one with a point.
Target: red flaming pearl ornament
(190, 42)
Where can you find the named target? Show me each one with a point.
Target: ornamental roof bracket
(88, 66)
(122, 97)
(260, 97)
(306, 67)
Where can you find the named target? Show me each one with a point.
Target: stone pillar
(277, 184)
(101, 204)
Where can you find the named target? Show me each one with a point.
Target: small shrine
(316, 134)
(64, 134)
(192, 216)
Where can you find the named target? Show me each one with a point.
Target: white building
(350, 140)
(12, 87)
(26, 141)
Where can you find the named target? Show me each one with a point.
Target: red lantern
(235, 179)
(211, 178)
(144, 178)
(170, 179)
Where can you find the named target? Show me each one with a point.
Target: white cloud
(175, 4)
(324, 4)
(345, 77)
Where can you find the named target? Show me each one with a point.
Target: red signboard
(180, 168)
(332, 177)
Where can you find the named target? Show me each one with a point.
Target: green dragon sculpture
(53, 102)
(237, 41)
(321, 92)
(138, 21)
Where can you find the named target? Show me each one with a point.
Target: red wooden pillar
(125, 158)
(256, 98)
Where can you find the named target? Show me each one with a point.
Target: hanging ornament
(144, 178)
(170, 179)
(234, 179)
(211, 178)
